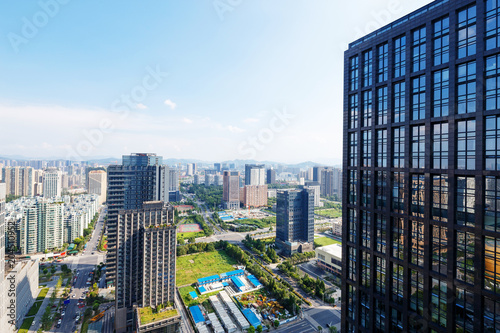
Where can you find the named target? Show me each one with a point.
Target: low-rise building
(329, 258)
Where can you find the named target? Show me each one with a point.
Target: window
(398, 196)
(492, 204)
(382, 148)
(399, 102)
(379, 316)
(382, 106)
(400, 56)
(353, 184)
(492, 264)
(417, 195)
(418, 147)
(439, 303)
(353, 226)
(464, 310)
(365, 268)
(441, 41)
(492, 24)
(466, 145)
(399, 147)
(491, 315)
(465, 256)
(440, 146)
(353, 111)
(416, 291)
(418, 49)
(417, 243)
(353, 149)
(397, 283)
(383, 62)
(466, 200)
(492, 151)
(366, 227)
(354, 73)
(367, 108)
(381, 233)
(493, 82)
(380, 190)
(439, 249)
(366, 184)
(352, 301)
(467, 32)
(367, 68)
(367, 149)
(351, 271)
(466, 88)
(418, 98)
(380, 275)
(398, 227)
(364, 309)
(440, 198)
(441, 93)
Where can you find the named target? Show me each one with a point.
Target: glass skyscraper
(421, 173)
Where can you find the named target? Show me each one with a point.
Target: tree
(276, 323)
(210, 247)
(251, 329)
(191, 239)
(320, 329)
(333, 329)
(259, 328)
(45, 270)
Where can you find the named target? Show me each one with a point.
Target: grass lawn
(259, 223)
(324, 241)
(26, 325)
(34, 309)
(42, 294)
(202, 299)
(331, 213)
(205, 264)
(147, 315)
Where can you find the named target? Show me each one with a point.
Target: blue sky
(205, 79)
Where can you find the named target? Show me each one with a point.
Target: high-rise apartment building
(140, 178)
(331, 182)
(146, 262)
(19, 180)
(231, 189)
(421, 171)
(52, 183)
(255, 174)
(253, 195)
(271, 176)
(295, 220)
(217, 167)
(98, 184)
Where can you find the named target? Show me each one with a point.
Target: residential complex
(421, 230)
(19, 180)
(52, 183)
(97, 184)
(295, 220)
(253, 195)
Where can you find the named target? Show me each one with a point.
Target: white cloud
(170, 104)
(251, 120)
(187, 120)
(141, 106)
(234, 129)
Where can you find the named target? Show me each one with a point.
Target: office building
(97, 184)
(253, 196)
(421, 221)
(217, 167)
(52, 183)
(329, 258)
(231, 190)
(295, 220)
(19, 180)
(255, 174)
(271, 176)
(140, 177)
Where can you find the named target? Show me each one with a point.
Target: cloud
(141, 106)
(187, 120)
(234, 129)
(170, 104)
(251, 120)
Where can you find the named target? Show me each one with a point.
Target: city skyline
(228, 92)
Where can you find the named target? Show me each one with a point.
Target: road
(84, 263)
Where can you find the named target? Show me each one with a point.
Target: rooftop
(147, 315)
(334, 250)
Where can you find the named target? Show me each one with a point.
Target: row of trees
(211, 195)
(309, 285)
(199, 247)
(269, 255)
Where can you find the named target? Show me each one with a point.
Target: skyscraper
(140, 178)
(255, 174)
(97, 184)
(52, 183)
(295, 220)
(421, 220)
(217, 167)
(231, 190)
(271, 176)
(19, 180)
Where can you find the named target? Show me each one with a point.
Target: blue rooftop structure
(237, 282)
(197, 315)
(202, 290)
(209, 279)
(228, 275)
(254, 281)
(251, 317)
(193, 295)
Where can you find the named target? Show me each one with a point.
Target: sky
(211, 80)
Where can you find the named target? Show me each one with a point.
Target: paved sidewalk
(41, 311)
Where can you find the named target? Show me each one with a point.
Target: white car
(59, 321)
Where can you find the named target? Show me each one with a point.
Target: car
(59, 321)
(58, 326)
(63, 313)
(74, 295)
(33, 323)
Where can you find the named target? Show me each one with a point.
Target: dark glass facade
(421, 223)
